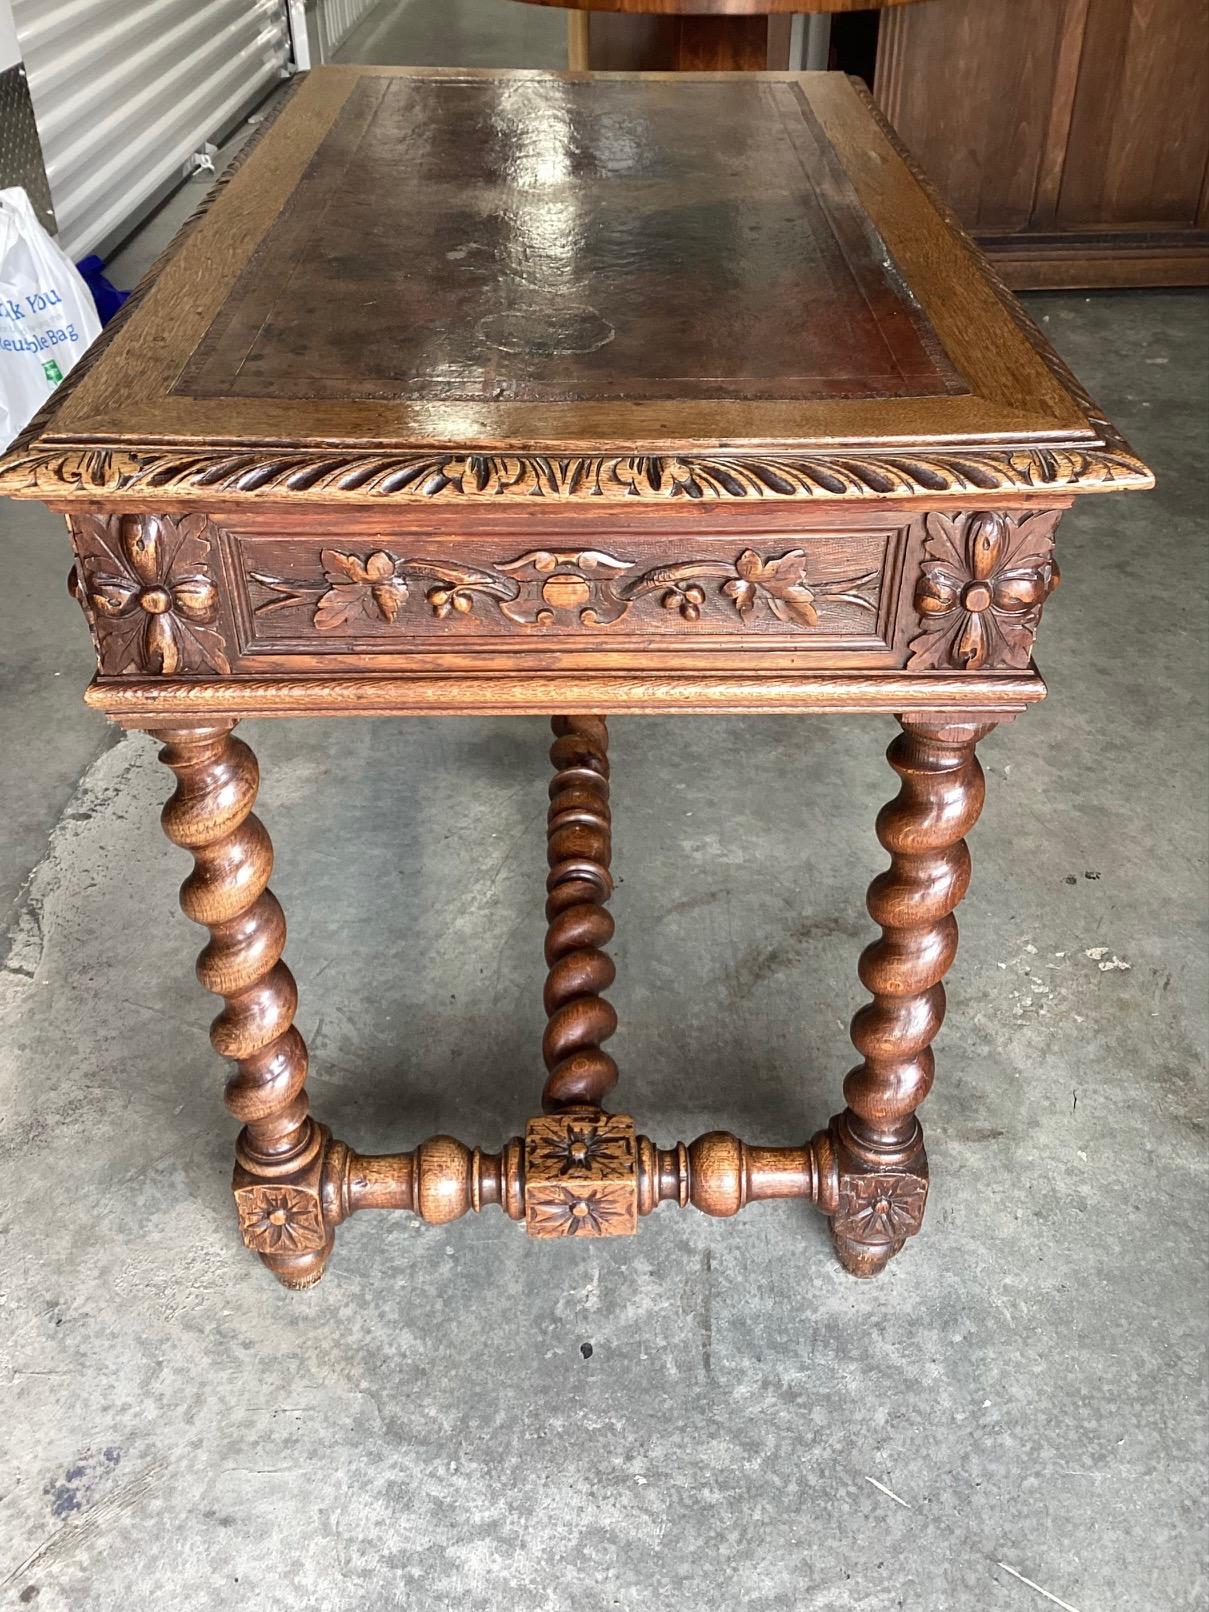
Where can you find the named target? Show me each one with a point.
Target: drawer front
(324, 594)
(193, 596)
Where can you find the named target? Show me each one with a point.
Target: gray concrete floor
(1012, 1419)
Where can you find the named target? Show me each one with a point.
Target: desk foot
(881, 1193)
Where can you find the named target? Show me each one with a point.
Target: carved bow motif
(981, 589)
(554, 581)
(144, 583)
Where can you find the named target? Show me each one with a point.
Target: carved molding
(324, 476)
(545, 586)
(981, 588)
(146, 585)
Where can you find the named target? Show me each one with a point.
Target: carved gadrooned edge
(88, 471)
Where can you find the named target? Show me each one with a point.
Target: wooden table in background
(685, 35)
(523, 393)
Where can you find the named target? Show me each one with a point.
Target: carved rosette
(146, 585)
(984, 580)
(547, 587)
(279, 1219)
(879, 1212)
(581, 1175)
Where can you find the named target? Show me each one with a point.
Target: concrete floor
(1012, 1419)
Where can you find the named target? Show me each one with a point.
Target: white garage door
(125, 90)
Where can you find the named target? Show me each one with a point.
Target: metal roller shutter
(125, 90)
(340, 18)
(337, 19)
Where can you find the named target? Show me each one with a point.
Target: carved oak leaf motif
(279, 1220)
(980, 591)
(144, 583)
(782, 582)
(880, 1209)
(370, 587)
(582, 1211)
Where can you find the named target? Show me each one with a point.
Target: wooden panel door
(1137, 149)
(969, 85)
(1071, 137)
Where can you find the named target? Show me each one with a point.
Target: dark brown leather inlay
(505, 240)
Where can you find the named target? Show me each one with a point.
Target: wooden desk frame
(394, 559)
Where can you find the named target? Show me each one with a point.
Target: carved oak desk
(532, 393)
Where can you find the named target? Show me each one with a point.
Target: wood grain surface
(432, 284)
(724, 8)
(357, 451)
(1102, 181)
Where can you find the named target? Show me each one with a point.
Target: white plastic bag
(47, 315)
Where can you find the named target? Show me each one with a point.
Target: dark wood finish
(725, 8)
(818, 466)
(127, 427)
(720, 44)
(579, 848)
(280, 1149)
(686, 35)
(527, 306)
(1097, 177)
(924, 830)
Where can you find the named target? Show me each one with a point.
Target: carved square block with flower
(984, 580)
(881, 1210)
(283, 1215)
(581, 1175)
(147, 585)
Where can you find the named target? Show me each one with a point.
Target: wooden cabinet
(1070, 135)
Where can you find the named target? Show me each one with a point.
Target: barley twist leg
(579, 883)
(883, 1169)
(279, 1154)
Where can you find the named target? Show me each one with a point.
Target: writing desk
(485, 392)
